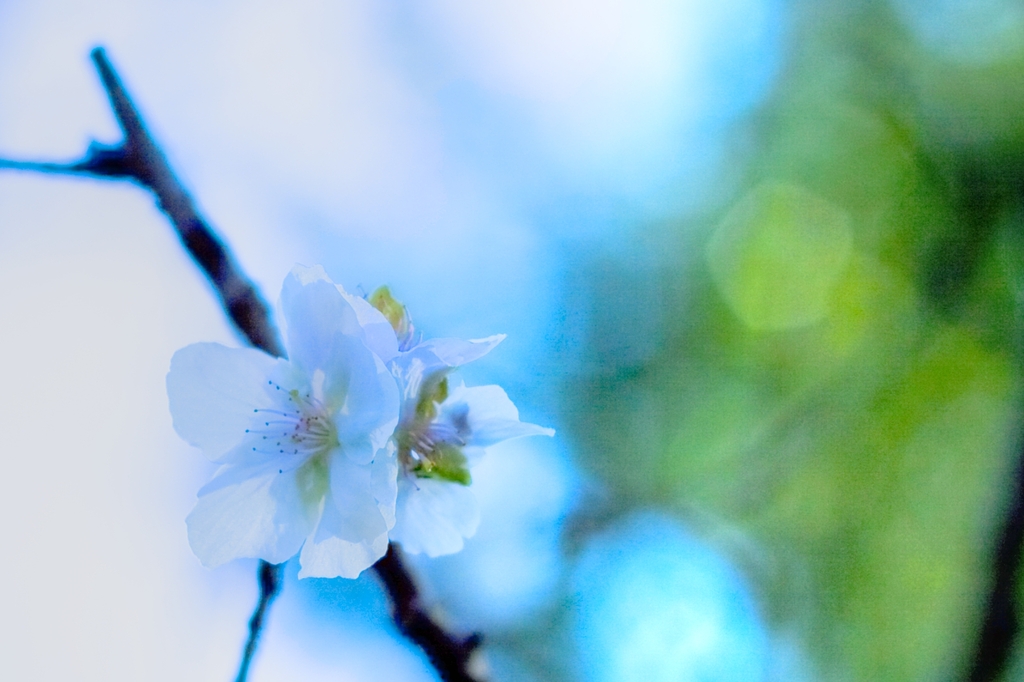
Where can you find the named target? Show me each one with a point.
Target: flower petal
(433, 516)
(234, 474)
(426, 359)
(327, 555)
(379, 335)
(315, 313)
(489, 414)
(457, 352)
(213, 391)
(351, 487)
(352, 532)
(252, 512)
(384, 484)
(369, 403)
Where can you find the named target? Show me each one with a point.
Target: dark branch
(450, 656)
(1001, 623)
(138, 158)
(270, 584)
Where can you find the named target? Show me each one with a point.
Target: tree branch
(451, 657)
(1001, 622)
(138, 158)
(269, 578)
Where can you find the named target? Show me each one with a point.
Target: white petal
(384, 484)
(473, 454)
(213, 391)
(352, 532)
(379, 335)
(351, 486)
(327, 555)
(457, 352)
(429, 357)
(433, 516)
(409, 371)
(415, 365)
(252, 512)
(316, 314)
(304, 275)
(498, 430)
(315, 308)
(234, 474)
(369, 412)
(491, 416)
(485, 402)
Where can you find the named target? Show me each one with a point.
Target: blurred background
(760, 263)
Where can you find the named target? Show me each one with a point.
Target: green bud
(433, 392)
(392, 309)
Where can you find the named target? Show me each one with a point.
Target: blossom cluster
(360, 437)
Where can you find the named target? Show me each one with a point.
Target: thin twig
(1001, 622)
(270, 584)
(139, 159)
(41, 167)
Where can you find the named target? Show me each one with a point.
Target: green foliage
(840, 378)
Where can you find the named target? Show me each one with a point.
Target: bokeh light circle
(655, 604)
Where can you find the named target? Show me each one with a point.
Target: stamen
(303, 429)
(278, 412)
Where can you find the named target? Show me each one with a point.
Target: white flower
(304, 442)
(442, 432)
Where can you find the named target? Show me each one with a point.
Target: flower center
(298, 426)
(433, 450)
